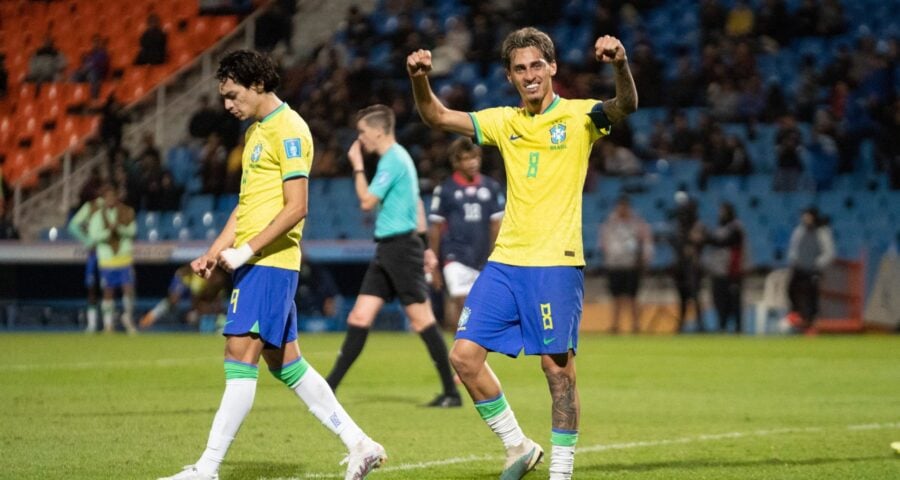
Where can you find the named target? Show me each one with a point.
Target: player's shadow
(370, 398)
(254, 470)
(712, 463)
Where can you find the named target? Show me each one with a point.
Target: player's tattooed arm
(565, 400)
(610, 50)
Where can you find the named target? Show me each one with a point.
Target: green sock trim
(563, 439)
(489, 409)
(291, 373)
(237, 370)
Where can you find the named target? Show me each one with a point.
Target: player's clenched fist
(418, 63)
(609, 49)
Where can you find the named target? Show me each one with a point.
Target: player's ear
(552, 68)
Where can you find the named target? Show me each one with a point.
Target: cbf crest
(256, 153)
(558, 133)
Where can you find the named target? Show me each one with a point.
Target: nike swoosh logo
(514, 137)
(548, 341)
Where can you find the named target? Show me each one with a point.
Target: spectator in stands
(112, 121)
(683, 90)
(725, 264)
(4, 77)
(204, 120)
(685, 140)
(458, 34)
(94, 65)
(8, 230)
(687, 241)
(887, 148)
(811, 251)
(723, 155)
(213, 162)
(788, 146)
(823, 152)
(46, 64)
(274, 27)
(446, 57)
(740, 20)
(712, 21)
(465, 214)
(483, 36)
(805, 20)
(773, 21)
(648, 75)
(152, 43)
(359, 29)
(627, 245)
(619, 160)
(831, 19)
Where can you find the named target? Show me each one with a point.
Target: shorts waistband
(398, 236)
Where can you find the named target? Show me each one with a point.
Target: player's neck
(538, 108)
(267, 106)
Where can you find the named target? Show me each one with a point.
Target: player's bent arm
(495, 231)
(296, 191)
(434, 237)
(435, 114)
(626, 100)
(367, 201)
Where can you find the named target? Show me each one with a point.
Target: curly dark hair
(528, 37)
(247, 68)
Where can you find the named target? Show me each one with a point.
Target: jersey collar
(552, 105)
(461, 180)
(275, 112)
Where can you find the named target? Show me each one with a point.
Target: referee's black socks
(350, 350)
(438, 351)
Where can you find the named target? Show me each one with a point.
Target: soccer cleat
(521, 459)
(366, 456)
(445, 401)
(190, 472)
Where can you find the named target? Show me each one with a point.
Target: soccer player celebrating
(465, 217)
(260, 244)
(530, 293)
(398, 269)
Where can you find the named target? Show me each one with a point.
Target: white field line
(713, 437)
(117, 364)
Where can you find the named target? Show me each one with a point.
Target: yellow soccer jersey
(546, 159)
(278, 148)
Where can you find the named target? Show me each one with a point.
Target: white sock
(236, 403)
(91, 318)
(160, 308)
(507, 428)
(562, 462)
(128, 312)
(318, 397)
(109, 310)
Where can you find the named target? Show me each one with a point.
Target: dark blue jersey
(465, 209)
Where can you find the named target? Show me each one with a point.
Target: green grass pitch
(692, 407)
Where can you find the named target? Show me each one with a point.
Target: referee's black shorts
(624, 282)
(397, 270)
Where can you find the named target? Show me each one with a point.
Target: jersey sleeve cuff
(475, 126)
(434, 218)
(292, 175)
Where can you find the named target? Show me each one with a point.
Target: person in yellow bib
(530, 293)
(111, 229)
(260, 244)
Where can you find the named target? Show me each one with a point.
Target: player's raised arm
(432, 111)
(610, 50)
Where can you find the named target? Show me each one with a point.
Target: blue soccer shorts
(535, 308)
(262, 302)
(116, 277)
(90, 269)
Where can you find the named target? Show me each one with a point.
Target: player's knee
(359, 319)
(292, 372)
(464, 364)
